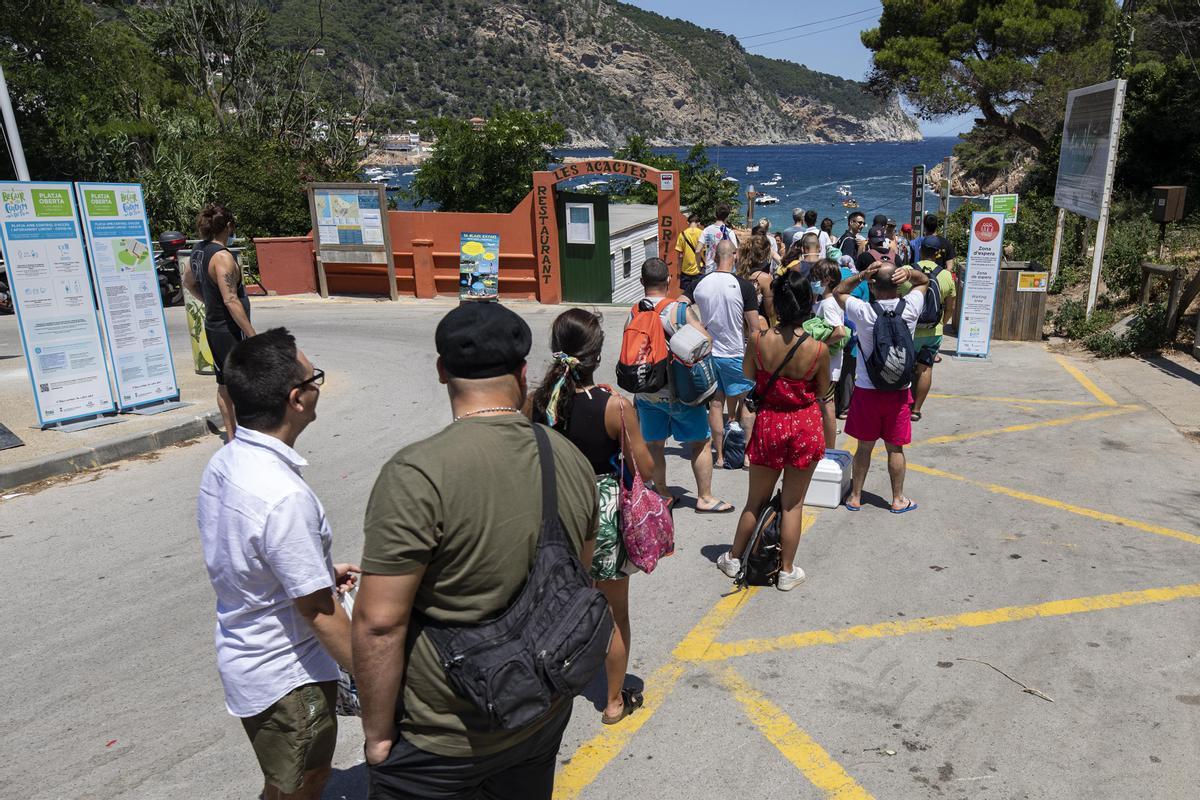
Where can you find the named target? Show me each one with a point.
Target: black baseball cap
(482, 340)
(939, 245)
(876, 236)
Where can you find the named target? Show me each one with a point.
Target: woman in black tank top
(226, 308)
(569, 401)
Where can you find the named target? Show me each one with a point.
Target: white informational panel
(48, 276)
(118, 238)
(979, 288)
(1089, 143)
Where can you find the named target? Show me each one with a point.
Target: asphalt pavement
(1029, 632)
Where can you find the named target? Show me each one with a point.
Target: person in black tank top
(216, 280)
(593, 417)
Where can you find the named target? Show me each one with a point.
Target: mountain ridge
(604, 69)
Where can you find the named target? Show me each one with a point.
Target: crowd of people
(805, 328)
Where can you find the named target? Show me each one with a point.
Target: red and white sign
(979, 286)
(987, 229)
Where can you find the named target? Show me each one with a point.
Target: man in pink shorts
(878, 413)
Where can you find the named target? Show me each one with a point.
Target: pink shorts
(876, 414)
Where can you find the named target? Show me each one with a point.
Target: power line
(811, 33)
(778, 31)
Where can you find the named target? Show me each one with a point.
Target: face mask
(817, 288)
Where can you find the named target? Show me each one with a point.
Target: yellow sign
(1033, 281)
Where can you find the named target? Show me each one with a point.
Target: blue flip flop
(910, 507)
(852, 508)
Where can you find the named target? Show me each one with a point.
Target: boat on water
(751, 168)
(410, 174)
(844, 190)
(730, 179)
(849, 202)
(373, 171)
(772, 182)
(767, 200)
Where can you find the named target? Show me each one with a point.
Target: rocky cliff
(604, 69)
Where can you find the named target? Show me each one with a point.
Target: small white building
(632, 238)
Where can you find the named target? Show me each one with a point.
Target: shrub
(1148, 328)
(1071, 322)
(1107, 344)
(1128, 242)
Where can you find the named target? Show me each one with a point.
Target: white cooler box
(831, 481)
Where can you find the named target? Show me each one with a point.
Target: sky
(829, 42)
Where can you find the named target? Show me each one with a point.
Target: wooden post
(1058, 236)
(425, 286)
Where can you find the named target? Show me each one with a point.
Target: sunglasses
(317, 379)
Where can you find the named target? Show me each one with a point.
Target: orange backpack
(642, 366)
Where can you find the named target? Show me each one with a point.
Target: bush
(1128, 242)
(1148, 328)
(1107, 344)
(1071, 322)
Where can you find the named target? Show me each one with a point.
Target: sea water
(878, 174)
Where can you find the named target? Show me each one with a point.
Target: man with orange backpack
(661, 414)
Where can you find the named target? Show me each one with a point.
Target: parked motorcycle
(170, 284)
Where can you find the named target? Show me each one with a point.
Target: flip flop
(915, 416)
(910, 507)
(720, 508)
(852, 508)
(937, 359)
(630, 702)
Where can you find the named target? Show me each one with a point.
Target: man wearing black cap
(879, 248)
(451, 532)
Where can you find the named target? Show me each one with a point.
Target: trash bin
(1020, 310)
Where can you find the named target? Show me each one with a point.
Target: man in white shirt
(281, 633)
(718, 232)
(810, 220)
(728, 306)
(881, 413)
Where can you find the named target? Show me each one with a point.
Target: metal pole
(947, 175)
(10, 129)
(1058, 236)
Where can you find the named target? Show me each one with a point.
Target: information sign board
(1032, 281)
(350, 227)
(1005, 204)
(1089, 142)
(52, 294)
(118, 239)
(479, 266)
(979, 287)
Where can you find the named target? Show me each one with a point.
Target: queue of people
(447, 711)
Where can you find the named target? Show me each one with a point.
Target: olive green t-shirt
(466, 505)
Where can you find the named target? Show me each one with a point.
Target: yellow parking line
(1061, 506)
(1086, 382)
(971, 619)
(590, 759)
(1029, 426)
(1014, 400)
(794, 744)
(595, 754)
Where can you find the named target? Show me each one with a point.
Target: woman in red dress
(788, 436)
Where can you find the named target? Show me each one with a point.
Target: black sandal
(631, 702)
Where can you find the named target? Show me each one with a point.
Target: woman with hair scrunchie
(569, 401)
(788, 436)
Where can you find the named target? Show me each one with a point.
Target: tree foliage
(954, 56)
(183, 97)
(487, 170)
(702, 184)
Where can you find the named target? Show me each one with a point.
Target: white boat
(767, 200)
(730, 179)
(373, 171)
(410, 174)
(751, 168)
(772, 182)
(844, 190)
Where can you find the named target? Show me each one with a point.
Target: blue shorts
(731, 381)
(662, 419)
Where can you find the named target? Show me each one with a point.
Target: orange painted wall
(517, 277)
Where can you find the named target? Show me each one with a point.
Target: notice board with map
(350, 227)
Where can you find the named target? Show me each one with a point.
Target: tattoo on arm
(231, 280)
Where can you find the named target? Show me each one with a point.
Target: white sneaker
(729, 565)
(790, 580)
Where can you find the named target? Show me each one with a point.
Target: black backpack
(547, 645)
(763, 559)
(890, 362)
(931, 312)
